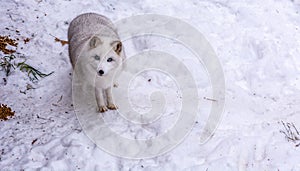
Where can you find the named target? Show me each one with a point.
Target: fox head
(105, 54)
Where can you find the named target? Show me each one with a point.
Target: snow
(257, 43)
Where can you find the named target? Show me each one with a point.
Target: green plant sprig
(32, 72)
(6, 63)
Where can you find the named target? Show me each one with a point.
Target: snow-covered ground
(257, 43)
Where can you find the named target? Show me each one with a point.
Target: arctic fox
(94, 39)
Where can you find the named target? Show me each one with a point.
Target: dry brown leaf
(63, 42)
(5, 112)
(4, 41)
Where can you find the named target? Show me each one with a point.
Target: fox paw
(112, 107)
(102, 109)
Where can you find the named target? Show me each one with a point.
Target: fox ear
(94, 42)
(117, 45)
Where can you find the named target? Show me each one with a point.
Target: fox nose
(101, 72)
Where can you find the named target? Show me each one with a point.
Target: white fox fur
(95, 48)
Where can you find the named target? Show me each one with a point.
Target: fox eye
(109, 59)
(97, 57)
